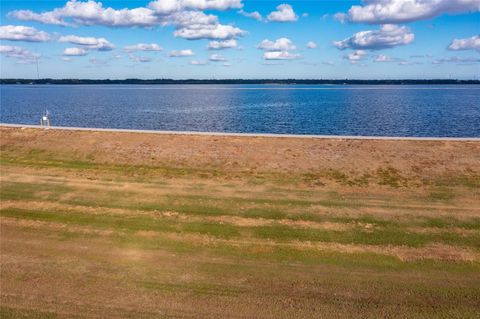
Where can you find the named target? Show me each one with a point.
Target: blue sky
(374, 39)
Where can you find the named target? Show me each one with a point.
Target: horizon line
(305, 81)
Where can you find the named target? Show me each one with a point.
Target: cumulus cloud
(282, 44)
(22, 33)
(171, 6)
(209, 31)
(278, 49)
(356, 56)
(181, 53)
(388, 36)
(184, 15)
(254, 15)
(399, 11)
(284, 13)
(143, 47)
(90, 13)
(311, 45)
(219, 45)
(75, 52)
(21, 55)
(280, 55)
(217, 58)
(100, 44)
(472, 43)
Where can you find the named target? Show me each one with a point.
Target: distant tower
(45, 120)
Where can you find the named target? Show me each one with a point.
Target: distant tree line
(239, 81)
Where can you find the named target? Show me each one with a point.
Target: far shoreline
(333, 82)
(233, 134)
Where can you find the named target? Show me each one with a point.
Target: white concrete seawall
(67, 128)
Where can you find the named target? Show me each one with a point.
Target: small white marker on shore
(45, 120)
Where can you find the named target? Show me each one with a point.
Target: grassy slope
(83, 238)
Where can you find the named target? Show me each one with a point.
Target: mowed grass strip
(202, 205)
(123, 222)
(380, 236)
(259, 253)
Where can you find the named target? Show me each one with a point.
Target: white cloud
(21, 55)
(206, 31)
(328, 63)
(194, 25)
(284, 13)
(182, 14)
(185, 19)
(75, 52)
(280, 55)
(219, 45)
(171, 6)
(383, 58)
(311, 45)
(254, 15)
(181, 53)
(143, 47)
(22, 33)
(217, 58)
(281, 44)
(227, 64)
(66, 59)
(100, 44)
(388, 36)
(356, 56)
(398, 11)
(278, 49)
(90, 13)
(197, 62)
(472, 43)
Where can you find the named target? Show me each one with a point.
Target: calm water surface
(296, 109)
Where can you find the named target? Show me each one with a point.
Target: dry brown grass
(97, 224)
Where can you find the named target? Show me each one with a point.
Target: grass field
(139, 226)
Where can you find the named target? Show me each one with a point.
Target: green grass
(380, 236)
(29, 191)
(14, 313)
(442, 194)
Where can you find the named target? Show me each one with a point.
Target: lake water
(443, 111)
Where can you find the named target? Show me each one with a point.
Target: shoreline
(226, 134)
